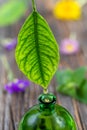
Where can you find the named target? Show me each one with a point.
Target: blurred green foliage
(12, 11)
(73, 83)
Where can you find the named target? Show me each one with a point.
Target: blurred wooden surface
(12, 107)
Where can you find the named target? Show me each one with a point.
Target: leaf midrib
(37, 45)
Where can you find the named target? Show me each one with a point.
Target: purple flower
(69, 46)
(10, 44)
(18, 85)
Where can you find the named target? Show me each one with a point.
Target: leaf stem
(45, 91)
(34, 5)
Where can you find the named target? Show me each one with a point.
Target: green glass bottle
(47, 116)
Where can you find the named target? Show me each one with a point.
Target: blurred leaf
(81, 92)
(63, 76)
(37, 52)
(79, 75)
(12, 11)
(73, 83)
(68, 89)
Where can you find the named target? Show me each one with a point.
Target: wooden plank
(2, 102)
(77, 116)
(6, 101)
(7, 112)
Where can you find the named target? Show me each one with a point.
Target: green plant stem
(33, 5)
(45, 91)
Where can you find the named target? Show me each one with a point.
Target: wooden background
(12, 107)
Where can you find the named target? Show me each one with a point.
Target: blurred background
(68, 21)
(13, 14)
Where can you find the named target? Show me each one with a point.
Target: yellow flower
(67, 10)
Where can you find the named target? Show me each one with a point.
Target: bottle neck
(47, 102)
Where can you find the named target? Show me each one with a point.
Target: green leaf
(37, 52)
(68, 89)
(63, 76)
(79, 75)
(65, 83)
(12, 11)
(73, 83)
(81, 92)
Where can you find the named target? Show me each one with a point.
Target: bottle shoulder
(59, 119)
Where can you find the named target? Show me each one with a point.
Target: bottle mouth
(47, 98)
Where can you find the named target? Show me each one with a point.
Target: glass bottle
(47, 116)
